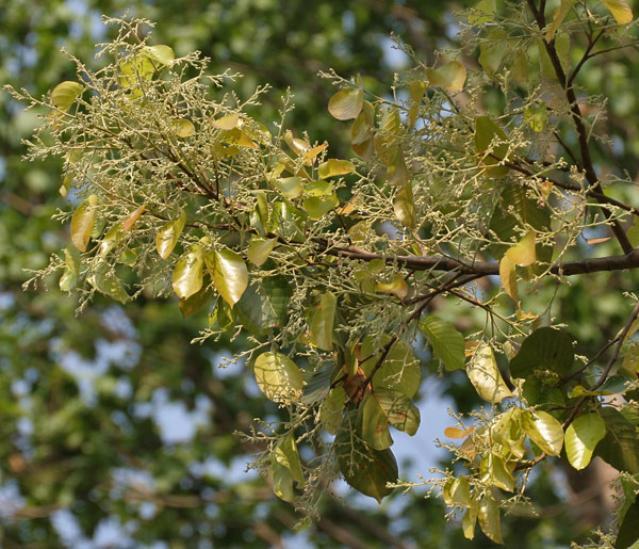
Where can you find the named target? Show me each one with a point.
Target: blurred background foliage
(115, 431)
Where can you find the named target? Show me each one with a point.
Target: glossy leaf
(188, 274)
(322, 322)
(227, 122)
(346, 104)
(544, 430)
(582, 437)
(278, 377)
(445, 340)
(230, 275)
(334, 167)
(161, 54)
(496, 473)
(456, 492)
(82, 222)
(397, 287)
(404, 205)
(485, 376)
(167, 237)
(489, 519)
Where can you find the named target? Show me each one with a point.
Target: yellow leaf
(311, 154)
(346, 104)
(522, 254)
(620, 10)
(450, 76)
(82, 223)
(485, 376)
(334, 167)
(182, 127)
(188, 274)
(65, 93)
(558, 18)
(227, 122)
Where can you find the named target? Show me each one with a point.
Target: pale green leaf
(582, 437)
(334, 167)
(69, 277)
(230, 275)
(278, 377)
(65, 93)
(286, 454)
(332, 409)
(259, 250)
(188, 274)
(489, 519)
(445, 340)
(450, 76)
(322, 322)
(83, 222)
(400, 412)
(485, 376)
(375, 424)
(167, 237)
(544, 430)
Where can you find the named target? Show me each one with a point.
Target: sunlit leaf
(495, 472)
(456, 492)
(445, 340)
(485, 376)
(167, 237)
(544, 430)
(404, 205)
(82, 222)
(227, 122)
(397, 286)
(188, 274)
(522, 254)
(334, 167)
(362, 128)
(346, 104)
(489, 519)
(582, 437)
(230, 275)
(286, 455)
(161, 54)
(278, 377)
(65, 94)
(450, 76)
(69, 277)
(182, 127)
(259, 250)
(620, 446)
(620, 10)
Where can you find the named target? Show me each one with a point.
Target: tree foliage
(474, 182)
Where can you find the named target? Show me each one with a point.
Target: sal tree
(474, 187)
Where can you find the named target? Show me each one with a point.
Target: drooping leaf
(375, 424)
(133, 218)
(188, 274)
(69, 277)
(620, 10)
(522, 254)
(544, 430)
(196, 302)
(322, 322)
(334, 167)
(492, 50)
(365, 469)
(582, 437)
(332, 409)
(456, 492)
(469, 521)
(362, 128)
(286, 455)
(485, 376)
(282, 481)
(65, 94)
(278, 377)
(230, 275)
(544, 349)
(399, 370)
(404, 205)
(490, 143)
(495, 472)
(620, 446)
(558, 18)
(167, 237)
(346, 104)
(445, 340)
(489, 519)
(83, 221)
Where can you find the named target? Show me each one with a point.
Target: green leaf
(278, 377)
(65, 93)
(322, 322)
(400, 370)
(332, 410)
(544, 430)
(628, 534)
(230, 275)
(450, 76)
(495, 472)
(83, 222)
(105, 281)
(316, 207)
(620, 446)
(282, 481)
(400, 412)
(492, 49)
(490, 143)
(558, 18)
(167, 237)
(188, 274)
(489, 520)
(582, 437)
(259, 250)
(69, 277)
(544, 349)
(362, 128)
(375, 424)
(445, 340)
(469, 521)
(346, 104)
(620, 10)
(365, 469)
(334, 167)
(456, 492)
(289, 187)
(286, 455)
(161, 54)
(485, 376)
